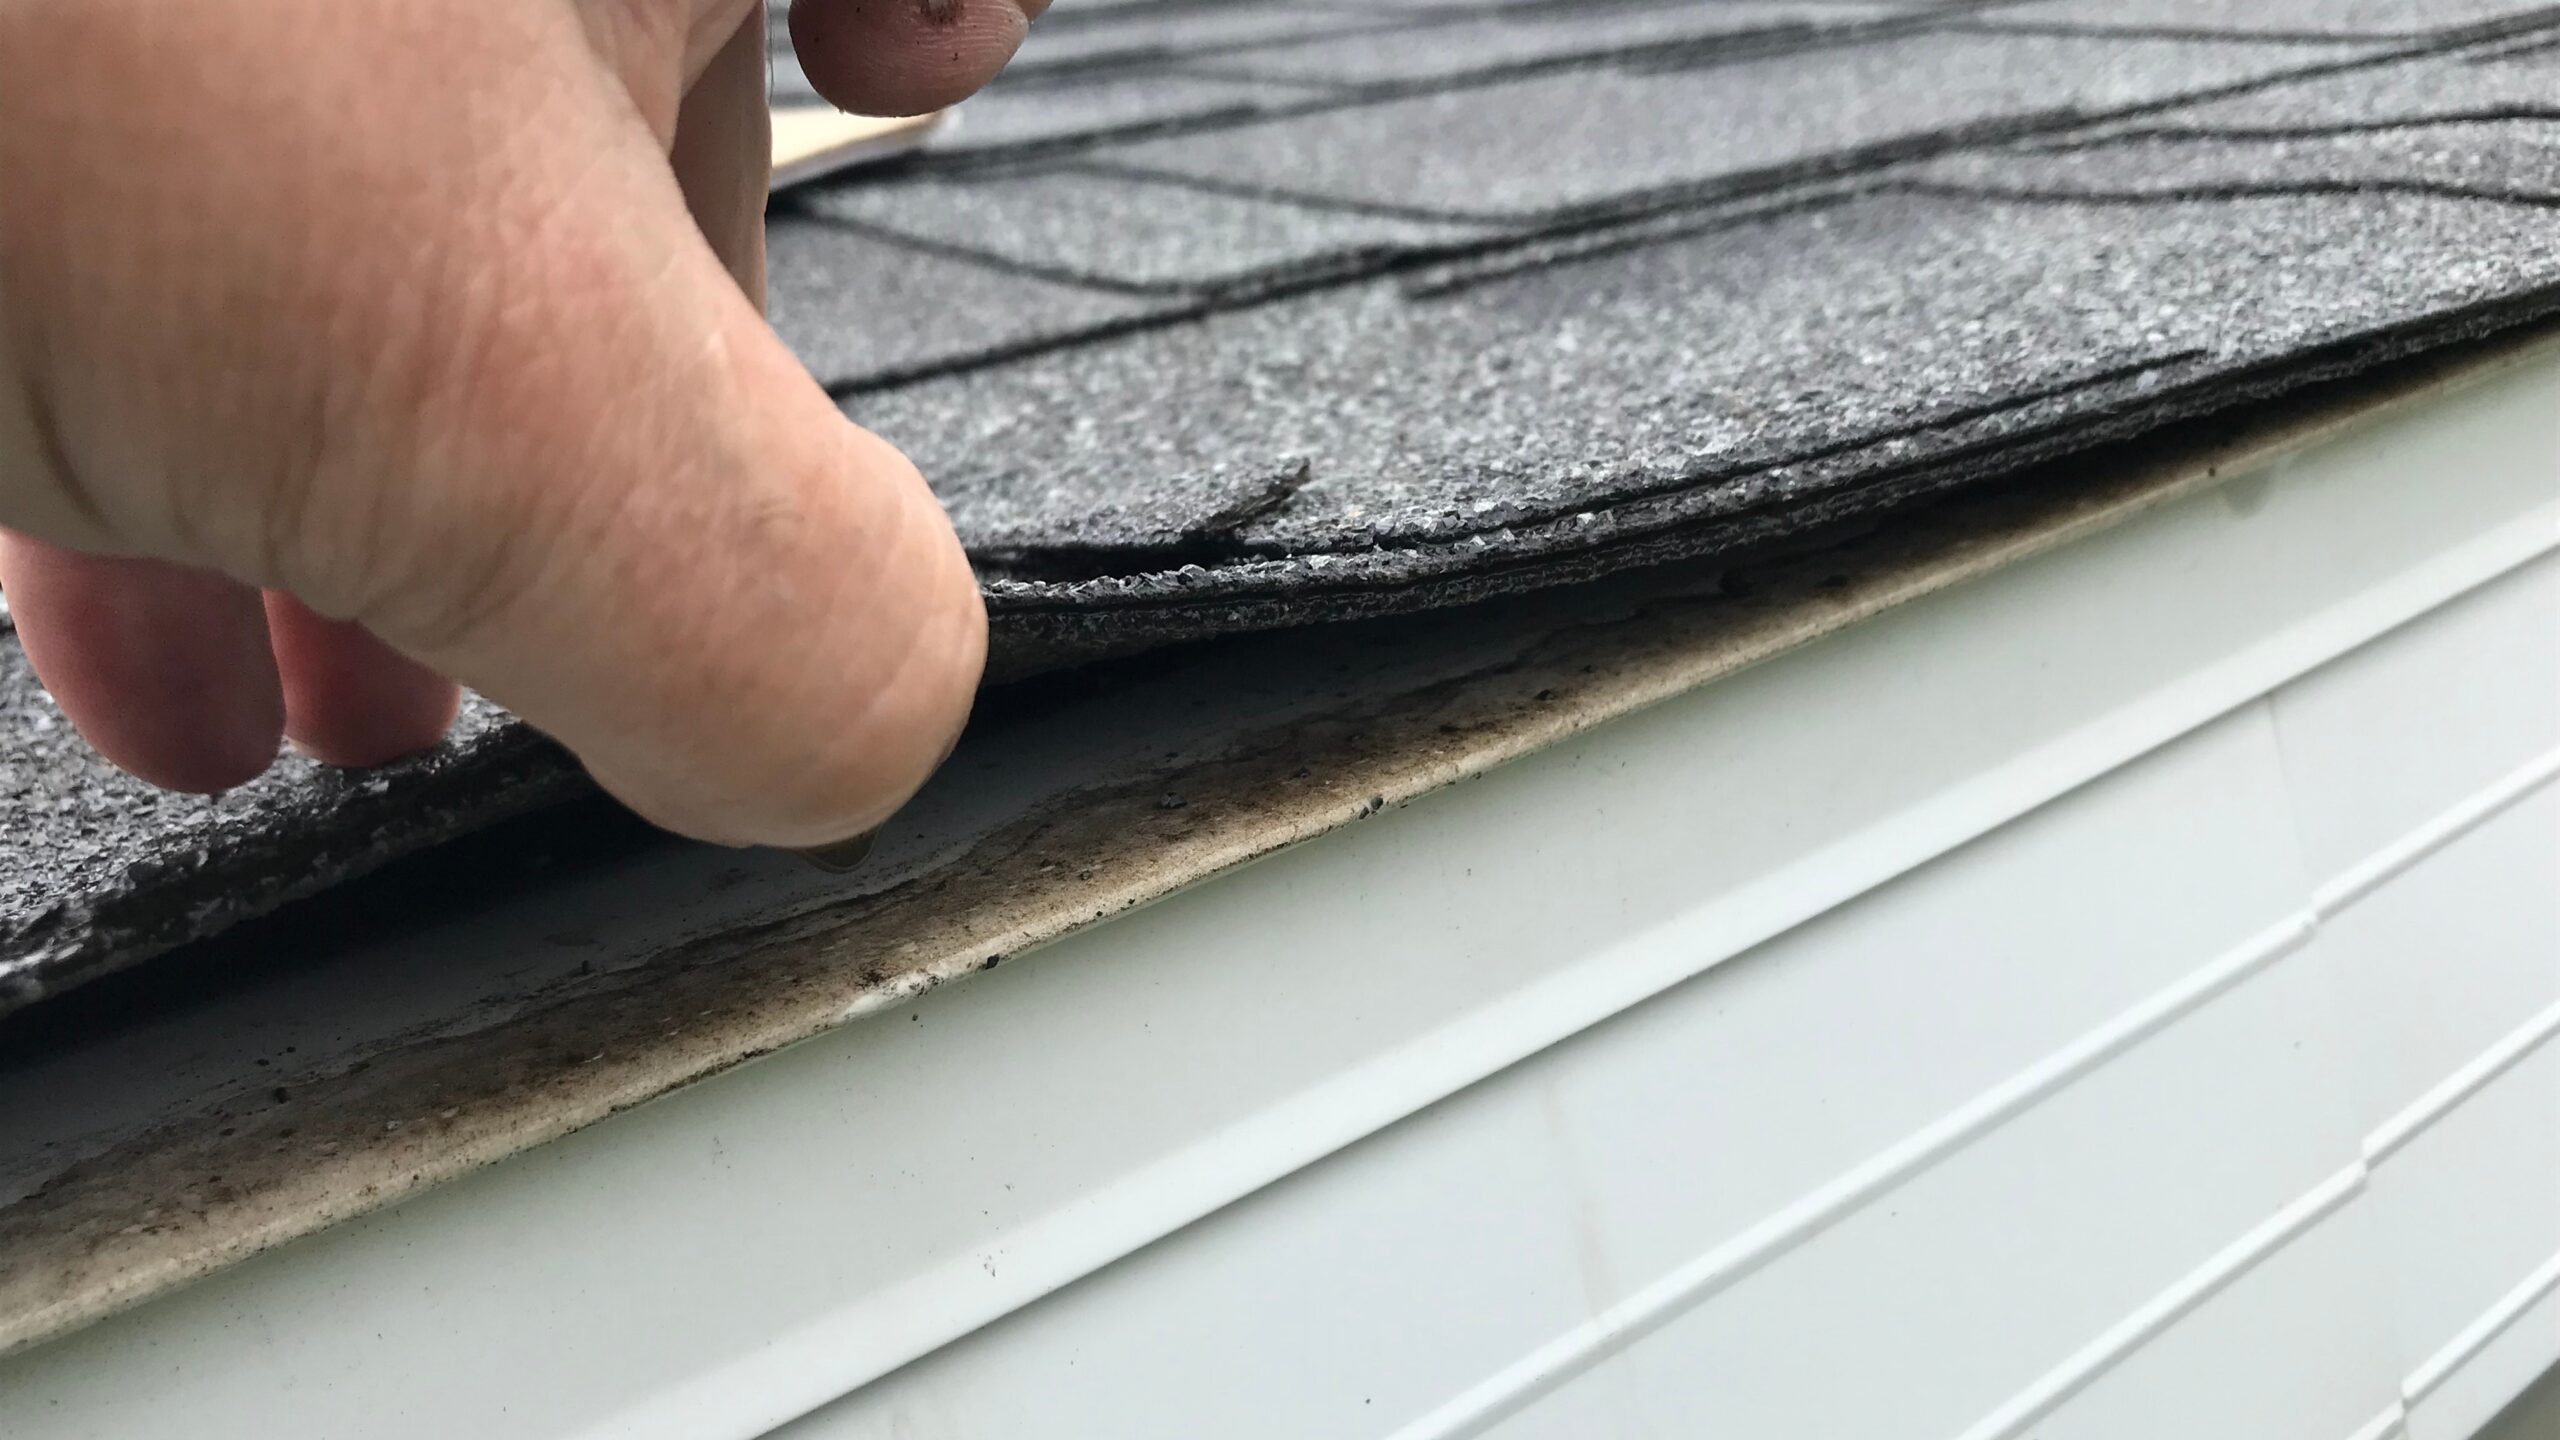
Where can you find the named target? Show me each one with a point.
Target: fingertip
(208, 764)
(748, 619)
(227, 749)
(905, 57)
(164, 670)
(833, 749)
(349, 699)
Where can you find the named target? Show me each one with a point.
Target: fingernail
(842, 857)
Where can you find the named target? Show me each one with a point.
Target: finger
(664, 46)
(352, 700)
(349, 699)
(906, 57)
(723, 154)
(654, 535)
(634, 519)
(164, 670)
(440, 349)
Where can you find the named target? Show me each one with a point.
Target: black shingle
(1552, 144)
(1118, 231)
(858, 308)
(98, 869)
(1710, 298)
(1082, 38)
(1765, 367)
(1516, 36)
(1036, 116)
(2457, 125)
(2272, 17)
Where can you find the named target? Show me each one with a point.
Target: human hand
(349, 349)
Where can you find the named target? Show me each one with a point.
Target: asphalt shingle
(1559, 296)
(1545, 36)
(1766, 365)
(1085, 39)
(98, 869)
(859, 309)
(1040, 116)
(1115, 231)
(1550, 145)
(2367, 18)
(2459, 125)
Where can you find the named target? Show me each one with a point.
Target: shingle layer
(1236, 313)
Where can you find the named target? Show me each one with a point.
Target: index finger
(906, 57)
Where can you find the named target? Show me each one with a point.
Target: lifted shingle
(1323, 348)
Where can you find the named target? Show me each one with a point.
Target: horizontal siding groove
(2398, 857)
(2150, 1320)
(1568, 1355)
(2152, 1317)
(2510, 1051)
(2475, 1337)
(1575, 1351)
(1513, 1387)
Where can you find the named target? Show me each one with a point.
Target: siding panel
(2385, 737)
(2469, 1208)
(2296, 1348)
(2439, 964)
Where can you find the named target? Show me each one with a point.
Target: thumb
(640, 524)
(499, 401)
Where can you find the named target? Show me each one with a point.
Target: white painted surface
(2060, 1008)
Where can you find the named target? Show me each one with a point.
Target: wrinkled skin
(350, 349)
